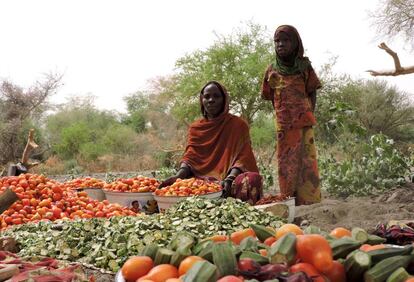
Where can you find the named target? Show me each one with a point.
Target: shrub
(378, 167)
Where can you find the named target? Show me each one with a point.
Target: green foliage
(268, 172)
(119, 139)
(81, 130)
(263, 131)
(72, 138)
(362, 108)
(165, 172)
(377, 167)
(383, 108)
(237, 60)
(73, 168)
(136, 121)
(137, 102)
(90, 151)
(335, 112)
(137, 105)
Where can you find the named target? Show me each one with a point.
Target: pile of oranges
(189, 187)
(87, 182)
(139, 184)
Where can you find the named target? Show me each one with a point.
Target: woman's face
(213, 100)
(283, 45)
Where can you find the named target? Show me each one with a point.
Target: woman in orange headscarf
(291, 83)
(219, 148)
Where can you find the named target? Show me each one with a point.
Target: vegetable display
(189, 187)
(107, 243)
(42, 198)
(87, 182)
(139, 184)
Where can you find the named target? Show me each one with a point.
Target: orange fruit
(218, 238)
(187, 263)
(263, 252)
(174, 280)
(136, 267)
(160, 273)
(238, 236)
(286, 228)
(367, 247)
(340, 232)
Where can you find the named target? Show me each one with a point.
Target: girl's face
(283, 45)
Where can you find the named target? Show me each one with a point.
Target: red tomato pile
(42, 198)
(189, 187)
(139, 184)
(88, 182)
(268, 199)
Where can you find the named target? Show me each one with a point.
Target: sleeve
(312, 82)
(267, 92)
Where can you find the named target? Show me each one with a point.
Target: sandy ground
(364, 212)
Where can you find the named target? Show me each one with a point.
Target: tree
(384, 109)
(237, 60)
(19, 111)
(361, 108)
(137, 105)
(77, 123)
(394, 18)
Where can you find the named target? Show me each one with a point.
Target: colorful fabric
(300, 63)
(215, 146)
(42, 269)
(290, 97)
(247, 187)
(298, 166)
(396, 232)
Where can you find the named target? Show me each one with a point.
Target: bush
(378, 167)
(263, 131)
(119, 139)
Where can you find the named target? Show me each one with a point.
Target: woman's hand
(183, 173)
(168, 182)
(226, 184)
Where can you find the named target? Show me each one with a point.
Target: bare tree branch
(399, 70)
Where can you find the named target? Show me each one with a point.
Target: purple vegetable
(271, 271)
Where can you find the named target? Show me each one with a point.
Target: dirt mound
(365, 212)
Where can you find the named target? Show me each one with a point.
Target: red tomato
(56, 212)
(336, 273)
(17, 221)
(26, 202)
(57, 197)
(248, 265)
(269, 241)
(309, 269)
(314, 249)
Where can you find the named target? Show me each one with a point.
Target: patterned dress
(296, 151)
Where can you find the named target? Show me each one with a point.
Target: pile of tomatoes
(42, 198)
(268, 199)
(139, 184)
(189, 187)
(87, 182)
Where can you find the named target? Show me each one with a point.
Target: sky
(110, 49)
